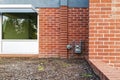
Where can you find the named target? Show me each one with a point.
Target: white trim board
(17, 8)
(20, 47)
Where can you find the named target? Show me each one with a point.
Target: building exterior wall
(60, 23)
(104, 31)
(59, 27)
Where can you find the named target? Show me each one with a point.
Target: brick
(94, 1)
(98, 50)
(103, 46)
(103, 39)
(106, 1)
(105, 8)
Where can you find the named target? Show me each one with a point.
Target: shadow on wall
(78, 30)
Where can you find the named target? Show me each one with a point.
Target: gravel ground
(45, 69)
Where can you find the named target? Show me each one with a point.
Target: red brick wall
(49, 31)
(58, 27)
(104, 31)
(78, 26)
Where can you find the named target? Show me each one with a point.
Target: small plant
(1, 61)
(65, 64)
(43, 61)
(86, 75)
(40, 68)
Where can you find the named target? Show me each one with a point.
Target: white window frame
(34, 41)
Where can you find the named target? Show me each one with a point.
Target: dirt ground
(44, 69)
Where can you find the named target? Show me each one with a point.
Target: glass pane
(19, 26)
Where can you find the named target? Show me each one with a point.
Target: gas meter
(77, 49)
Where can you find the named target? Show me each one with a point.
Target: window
(19, 26)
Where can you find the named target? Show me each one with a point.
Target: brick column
(100, 20)
(63, 31)
(49, 26)
(104, 31)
